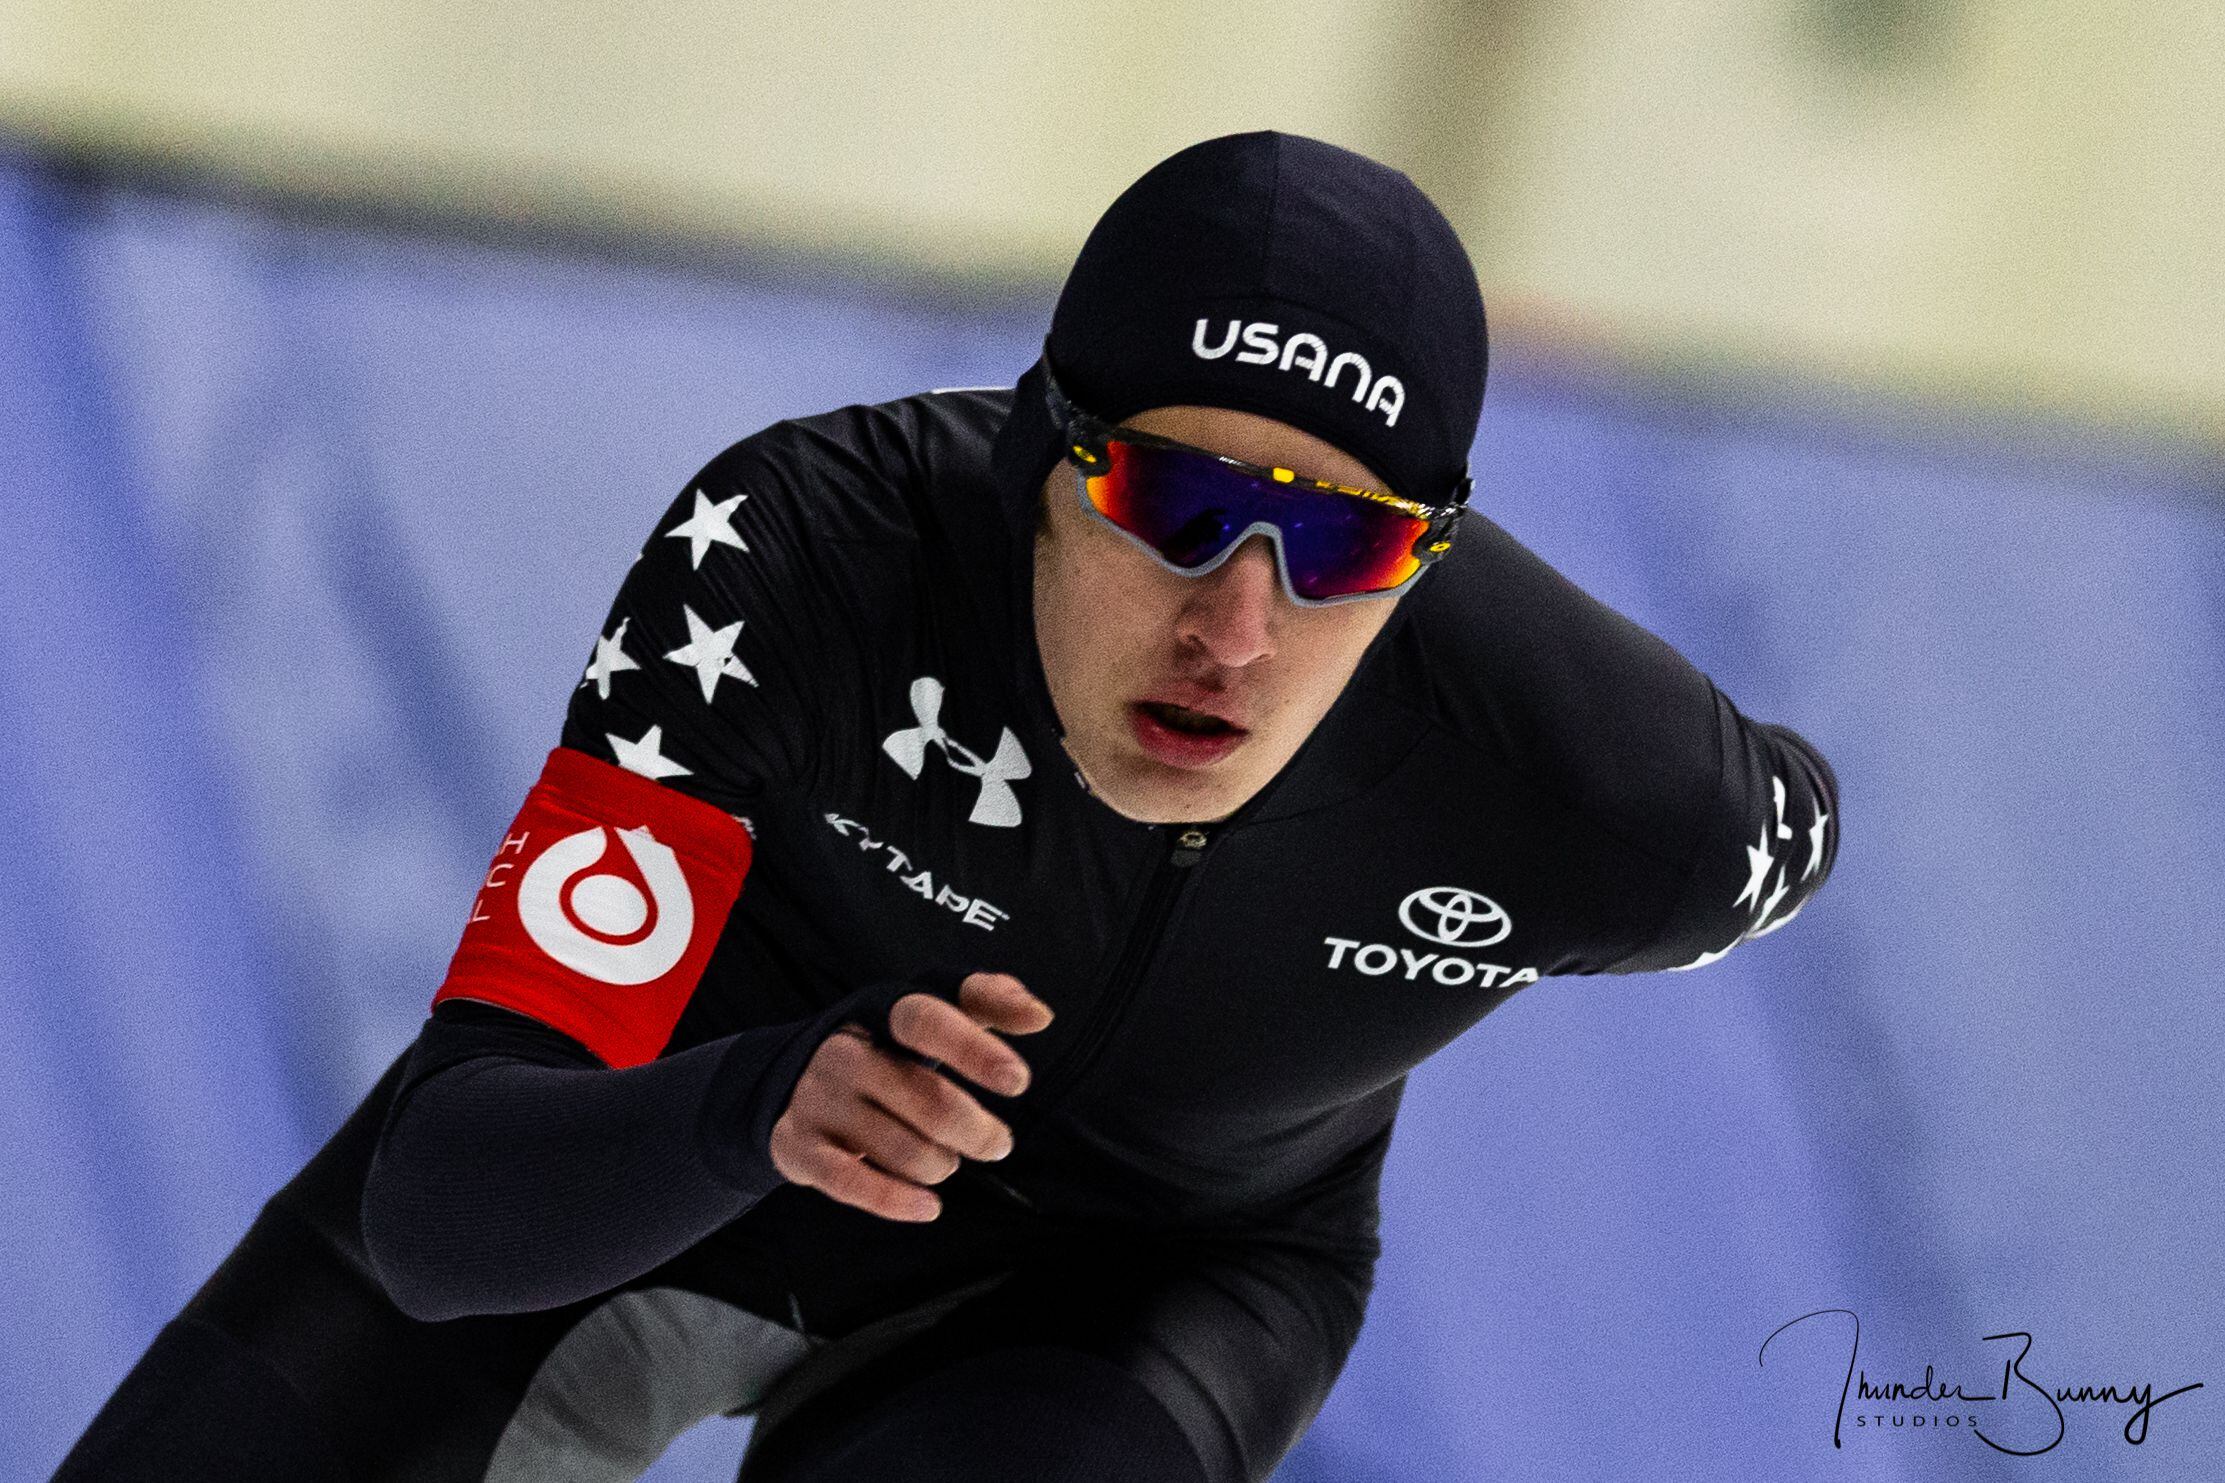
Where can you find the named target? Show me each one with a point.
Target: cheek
(1114, 626)
(1117, 599)
(1088, 626)
(1334, 644)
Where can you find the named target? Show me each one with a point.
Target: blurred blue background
(307, 529)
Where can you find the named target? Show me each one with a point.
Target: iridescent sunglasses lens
(1188, 506)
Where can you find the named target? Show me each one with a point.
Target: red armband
(602, 907)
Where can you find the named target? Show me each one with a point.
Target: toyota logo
(1453, 917)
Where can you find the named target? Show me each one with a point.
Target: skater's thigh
(1202, 1362)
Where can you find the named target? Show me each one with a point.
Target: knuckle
(1002, 1073)
(814, 1097)
(917, 1092)
(818, 1168)
(849, 1174)
(948, 1103)
(828, 1066)
(965, 1125)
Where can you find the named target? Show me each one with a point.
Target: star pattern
(710, 525)
(1815, 845)
(1761, 861)
(1758, 861)
(1775, 896)
(645, 755)
(710, 653)
(1773, 926)
(610, 658)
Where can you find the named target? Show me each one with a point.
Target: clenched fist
(873, 1130)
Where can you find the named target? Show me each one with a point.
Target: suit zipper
(1167, 876)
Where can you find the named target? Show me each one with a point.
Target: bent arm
(542, 1147)
(517, 1172)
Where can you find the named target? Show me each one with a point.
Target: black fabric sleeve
(517, 1172)
(1765, 848)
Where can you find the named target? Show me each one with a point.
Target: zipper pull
(1189, 846)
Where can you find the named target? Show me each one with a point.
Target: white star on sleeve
(1775, 896)
(610, 658)
(710, 653)
(1758, 861)
(1773, 926)
(709, 525)
(1815, 844)
(645, 756)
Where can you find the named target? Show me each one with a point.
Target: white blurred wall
(2009, 202)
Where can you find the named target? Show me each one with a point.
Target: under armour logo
(997, 803)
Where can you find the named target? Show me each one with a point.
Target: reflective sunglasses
(1190, 508)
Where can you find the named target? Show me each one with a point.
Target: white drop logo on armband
(626, 923)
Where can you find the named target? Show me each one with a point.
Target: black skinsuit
(1517, 783)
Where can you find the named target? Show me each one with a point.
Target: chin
(1152, 793)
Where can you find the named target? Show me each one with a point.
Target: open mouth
(1183, 719)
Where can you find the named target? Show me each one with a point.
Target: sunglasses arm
(1436, 542)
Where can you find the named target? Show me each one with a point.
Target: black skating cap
(1276, 274)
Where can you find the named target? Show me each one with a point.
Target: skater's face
(1124, 639)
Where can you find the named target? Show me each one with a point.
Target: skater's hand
(874, 1129)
